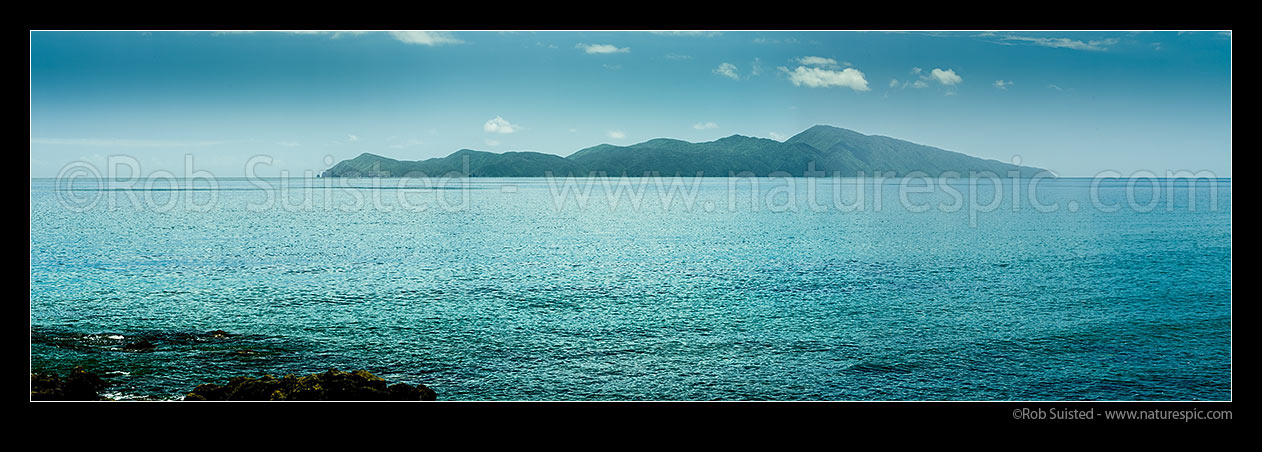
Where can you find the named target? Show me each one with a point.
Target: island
(820, 151)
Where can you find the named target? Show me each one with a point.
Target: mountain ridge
(822, 149)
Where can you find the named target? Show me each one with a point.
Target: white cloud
(426, 38)
(352, 138)
(700, 33)
(492, 142)
(761, 40)
(822, 78)
(817, 61)
(776, 136)
(727, 70)
(1001, 84)
(617, 134)
(612, 67)
(602, 48)
(705, 125)
(288, 144)
(1065, 43)
(947, 77)
(678, 57)
(499, 125)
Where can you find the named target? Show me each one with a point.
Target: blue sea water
(496, 292)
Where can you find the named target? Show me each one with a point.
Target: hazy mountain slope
(480, 164)
(879, 153)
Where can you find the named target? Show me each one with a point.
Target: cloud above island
(821, 72)
(727, 70)
(814, 77)
(947, 77)
(499, 125)
(602, 48)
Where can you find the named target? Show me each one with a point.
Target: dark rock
(220, 334)
(331, 385)
(79, 385)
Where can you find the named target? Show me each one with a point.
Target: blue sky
(1074, 102)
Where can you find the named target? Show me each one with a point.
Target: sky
(1075, 102)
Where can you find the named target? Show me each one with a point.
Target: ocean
(699, 289)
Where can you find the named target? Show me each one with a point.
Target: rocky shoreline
(333, 385)
(81, 384)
